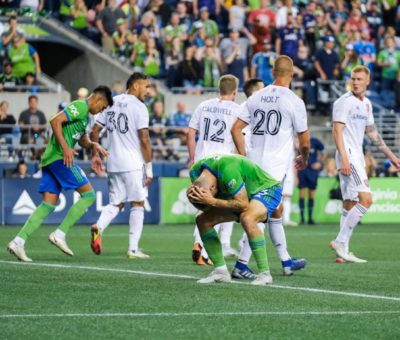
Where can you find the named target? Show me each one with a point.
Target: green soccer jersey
(78, 118)
(232, 173)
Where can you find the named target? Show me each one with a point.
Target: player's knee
(366, 202)
(247, 220)
(89, 197)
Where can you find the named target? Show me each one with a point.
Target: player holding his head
(59, 171)
(212, 121)
(352, 119)
(228, 188)
(273, 115)
(129, 166)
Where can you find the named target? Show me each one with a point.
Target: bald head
(283, 67)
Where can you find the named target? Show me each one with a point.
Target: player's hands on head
(300, 163)
(197, 195)
(69, 156)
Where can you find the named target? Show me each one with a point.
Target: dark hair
(32, 96)
(134, 77)
(250, 85)
(12, 17)
(105, 92)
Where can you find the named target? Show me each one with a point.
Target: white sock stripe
(361, 208)
(275, 220)
(137, 208)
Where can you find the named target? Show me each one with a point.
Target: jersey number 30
(218, 136)
(120, 124)
(269, 123)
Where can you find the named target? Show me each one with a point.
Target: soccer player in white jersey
(212, 121)
(274, 114)
(129, 166)
(352, 119)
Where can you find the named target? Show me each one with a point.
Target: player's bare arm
(337, 132)
(145, 147)
(239, 202)
(97, 165)
(376, 139)
(238, 137)
(56, 124)
(191, 143)
(304, 149)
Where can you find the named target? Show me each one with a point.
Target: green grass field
(109, 296)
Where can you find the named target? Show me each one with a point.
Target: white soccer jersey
(213, 119)
(274, 114)
(123, 120)
(356, 115)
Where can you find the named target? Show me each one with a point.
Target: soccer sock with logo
(226, 233)
(35, 220)
(278, 237)
(245, 251)
(287, 206)
(310, 208)
(77, 211)
(353, 217)
(213, 246)
(136, 218)
(107, 215)
(301, 206)
(342, 219)
(257, 245)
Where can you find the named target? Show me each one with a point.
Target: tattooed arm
(378, 141)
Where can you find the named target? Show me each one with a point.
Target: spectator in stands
(375, 20)
(6, 132)
(371, 164)
(180, 121)
(153, 96)
(210, 26)
(283, 14)
(106, 22)
(161, 10)
(262, 21)
(212, 6)
(64, 12)
(211, 67)
(185, 20)
(321, 30)
(327, 60)
(148, 22)
(237, 15)
(35, 5)
(289, 38)
(350, 60)
(8, 80)
(117, 88)
(21, 170)
(389, 61)
(8, 36)
(151, 59)
(198, 37)
(191, 72)
(330, 169)
(262, 63)
(31, 83)
(366, 50)
(31, 122)
(309, 22)
(174, 29)
(79, 14)
(132, 12)
(123, 40)
(24, 57)
(174, 57)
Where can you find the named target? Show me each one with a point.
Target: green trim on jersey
(232, 173)
(78, 119)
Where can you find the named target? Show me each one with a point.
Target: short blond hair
(228, 84)
(361, 68)
(283, 66)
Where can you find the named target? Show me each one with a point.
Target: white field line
(197, 314)
(179, 276)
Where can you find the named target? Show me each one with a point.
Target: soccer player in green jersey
(228, 188)
(59, 171)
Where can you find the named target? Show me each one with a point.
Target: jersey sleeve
(77, 110)
(231, 179)
(142, 119)
(370, 120)
(101, 118)
(339, 112)
(300, 116)
(245, 113)
(195, 120)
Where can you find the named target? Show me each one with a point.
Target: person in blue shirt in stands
(308, 177)
(180, 120)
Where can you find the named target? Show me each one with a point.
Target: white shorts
(126, 187)
(288, 183)
(357, 182)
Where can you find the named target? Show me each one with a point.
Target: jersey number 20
(272, 120)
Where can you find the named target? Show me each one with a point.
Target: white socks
(278, 237)
(342, 219)
(106, 217)
(245, 251)
(60, 234)
(287, 207)
(19, 241)
(136, 218)
(350, 222)
(226, 233)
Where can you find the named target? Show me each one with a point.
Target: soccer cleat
(217, 276)
(60, 244)
(137, 254)
(263, 279)
(196, 252)
(96, 242)
(204, 261)
(340, 250)
(227, 251)
(18, 251)
(340, 260)
(355, 259)
(290, 224)
(242, 271)
(290, 266)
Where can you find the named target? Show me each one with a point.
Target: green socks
(36, 219)
(259, 250)
(213, 246)
(77, 210)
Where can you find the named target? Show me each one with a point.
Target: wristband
(149, 169)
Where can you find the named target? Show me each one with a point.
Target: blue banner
(21, 197)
